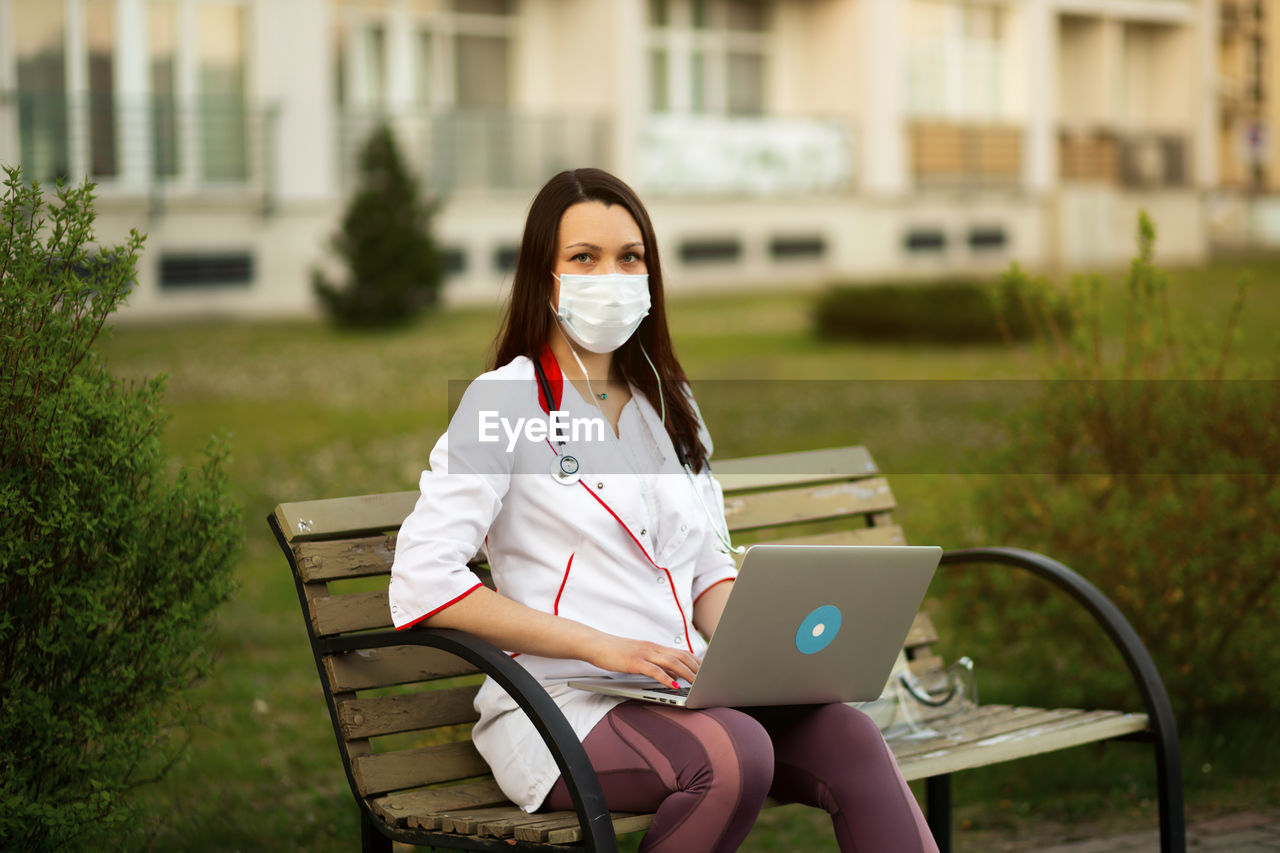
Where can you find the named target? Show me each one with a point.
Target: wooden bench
(401, 702)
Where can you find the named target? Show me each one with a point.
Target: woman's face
(595, 239)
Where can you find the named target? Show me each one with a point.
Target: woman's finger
(679, 664)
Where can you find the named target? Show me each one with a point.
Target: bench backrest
(403, 714)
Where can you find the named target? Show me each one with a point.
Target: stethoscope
(565, 469)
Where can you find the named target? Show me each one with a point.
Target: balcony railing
(683, 155)
(946, 154)
(159, 148)
(481, 150)
(1135, 160)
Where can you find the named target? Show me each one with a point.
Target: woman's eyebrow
(593, 247)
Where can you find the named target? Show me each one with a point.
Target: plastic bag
(905, 707)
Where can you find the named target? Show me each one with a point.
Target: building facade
(775, 141)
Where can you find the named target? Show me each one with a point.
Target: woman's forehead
(595, 223)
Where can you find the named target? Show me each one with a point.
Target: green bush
(1153, 474)
(110, 566)
(394, 264)
(941, 312)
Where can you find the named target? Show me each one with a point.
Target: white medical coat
(623, 549)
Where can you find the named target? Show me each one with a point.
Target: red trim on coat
(564, 580)
(684, 622)
(441, 607)
(555, 379)
(708, 589)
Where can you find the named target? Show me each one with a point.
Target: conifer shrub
(948, 312)
(111, 564)
(1151, 468)
(395, 268)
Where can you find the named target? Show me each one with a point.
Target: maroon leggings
(706, 773)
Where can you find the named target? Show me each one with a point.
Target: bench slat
(304, 521)
(776, 470)
(418, 766)
(469, 821)
(370, 556)
(387, 667)
(501, 826)
(1076, 730)
(922, 632)
(345, 558)
(928, 669)
(353, 611)
(362, 611)
(562, 827)
(332, 518)
(974, 725)
(889, 534)
(360, 557)
(810, 503)
(388, 715)
(420, 808)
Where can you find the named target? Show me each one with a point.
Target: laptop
(805, 624)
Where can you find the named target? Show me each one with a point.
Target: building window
(40, 34)
(482, 71)
(924, 240)
(711, 250)
(162, 30)
(798, 248)
(708, 56)
(220, 77)
(99, 18)
(191, 271)
(957, 66)
(433, 53)
(987, 238)
(185, 121)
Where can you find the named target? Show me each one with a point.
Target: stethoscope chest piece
(565, 470)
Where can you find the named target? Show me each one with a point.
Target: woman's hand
(661, 663)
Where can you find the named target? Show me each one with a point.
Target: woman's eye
(631, 258)
(582, 258)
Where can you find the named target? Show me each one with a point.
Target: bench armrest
(1143, 669)
(547, 718)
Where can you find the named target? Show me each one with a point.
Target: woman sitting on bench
(580, 464)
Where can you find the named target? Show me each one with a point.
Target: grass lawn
(316, 413)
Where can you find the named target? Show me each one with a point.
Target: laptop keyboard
(670, 691)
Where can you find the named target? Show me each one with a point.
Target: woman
(608, 545)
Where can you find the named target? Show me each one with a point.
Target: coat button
(644, 531)
(684, 528)
(599, 485)
(679, 639)
(662, 579)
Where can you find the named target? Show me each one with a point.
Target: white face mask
(600, 312)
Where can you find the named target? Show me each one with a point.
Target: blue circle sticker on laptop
(818, 629)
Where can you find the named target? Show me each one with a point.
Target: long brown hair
(528, 320)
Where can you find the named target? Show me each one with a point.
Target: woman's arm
(516, 627)
(708, 607)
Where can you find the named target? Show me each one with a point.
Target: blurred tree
(395, 267)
